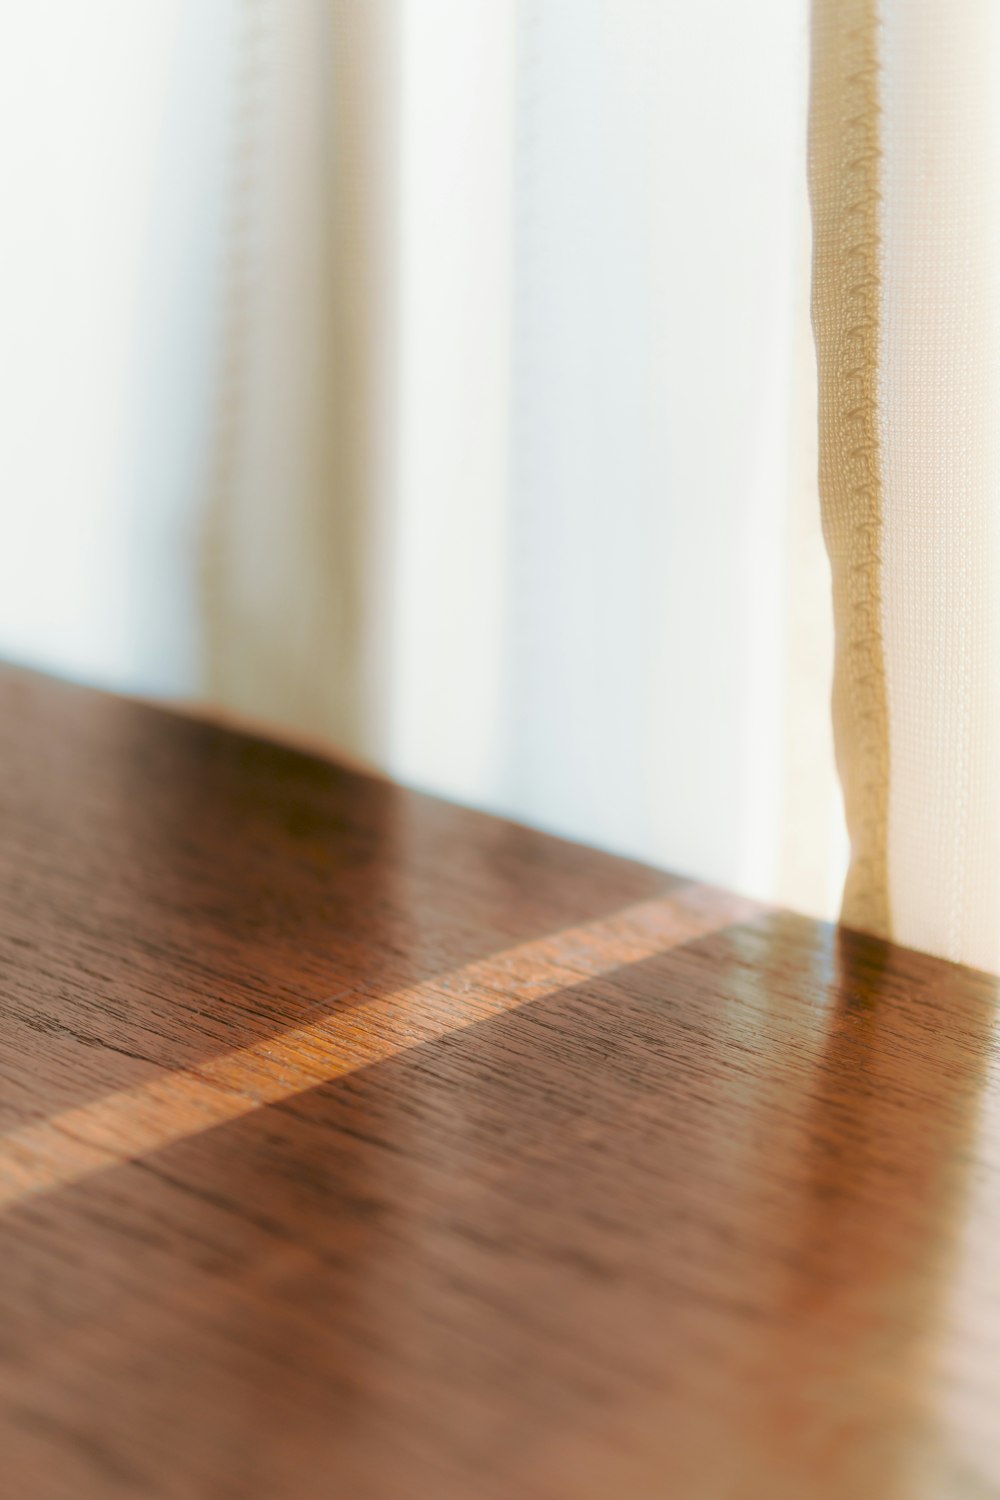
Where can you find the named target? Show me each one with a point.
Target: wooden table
(354, 1145)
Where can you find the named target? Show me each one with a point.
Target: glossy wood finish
(354, 1145)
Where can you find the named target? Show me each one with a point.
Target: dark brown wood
(355, 1145)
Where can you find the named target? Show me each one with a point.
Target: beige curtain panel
(905, 182)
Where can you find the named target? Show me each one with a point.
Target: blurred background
(433, 379)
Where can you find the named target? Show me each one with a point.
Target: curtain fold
(294, 614)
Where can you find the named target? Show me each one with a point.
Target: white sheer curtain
(434, 377)
(940, 392)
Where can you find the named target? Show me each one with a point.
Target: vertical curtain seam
(845, 173)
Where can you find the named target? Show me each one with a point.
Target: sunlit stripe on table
(131, 1123)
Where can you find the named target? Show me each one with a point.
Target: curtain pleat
(294, 576)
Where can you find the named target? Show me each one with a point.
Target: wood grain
(438, 1158)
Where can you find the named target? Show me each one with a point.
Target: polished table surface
(356, 1145)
